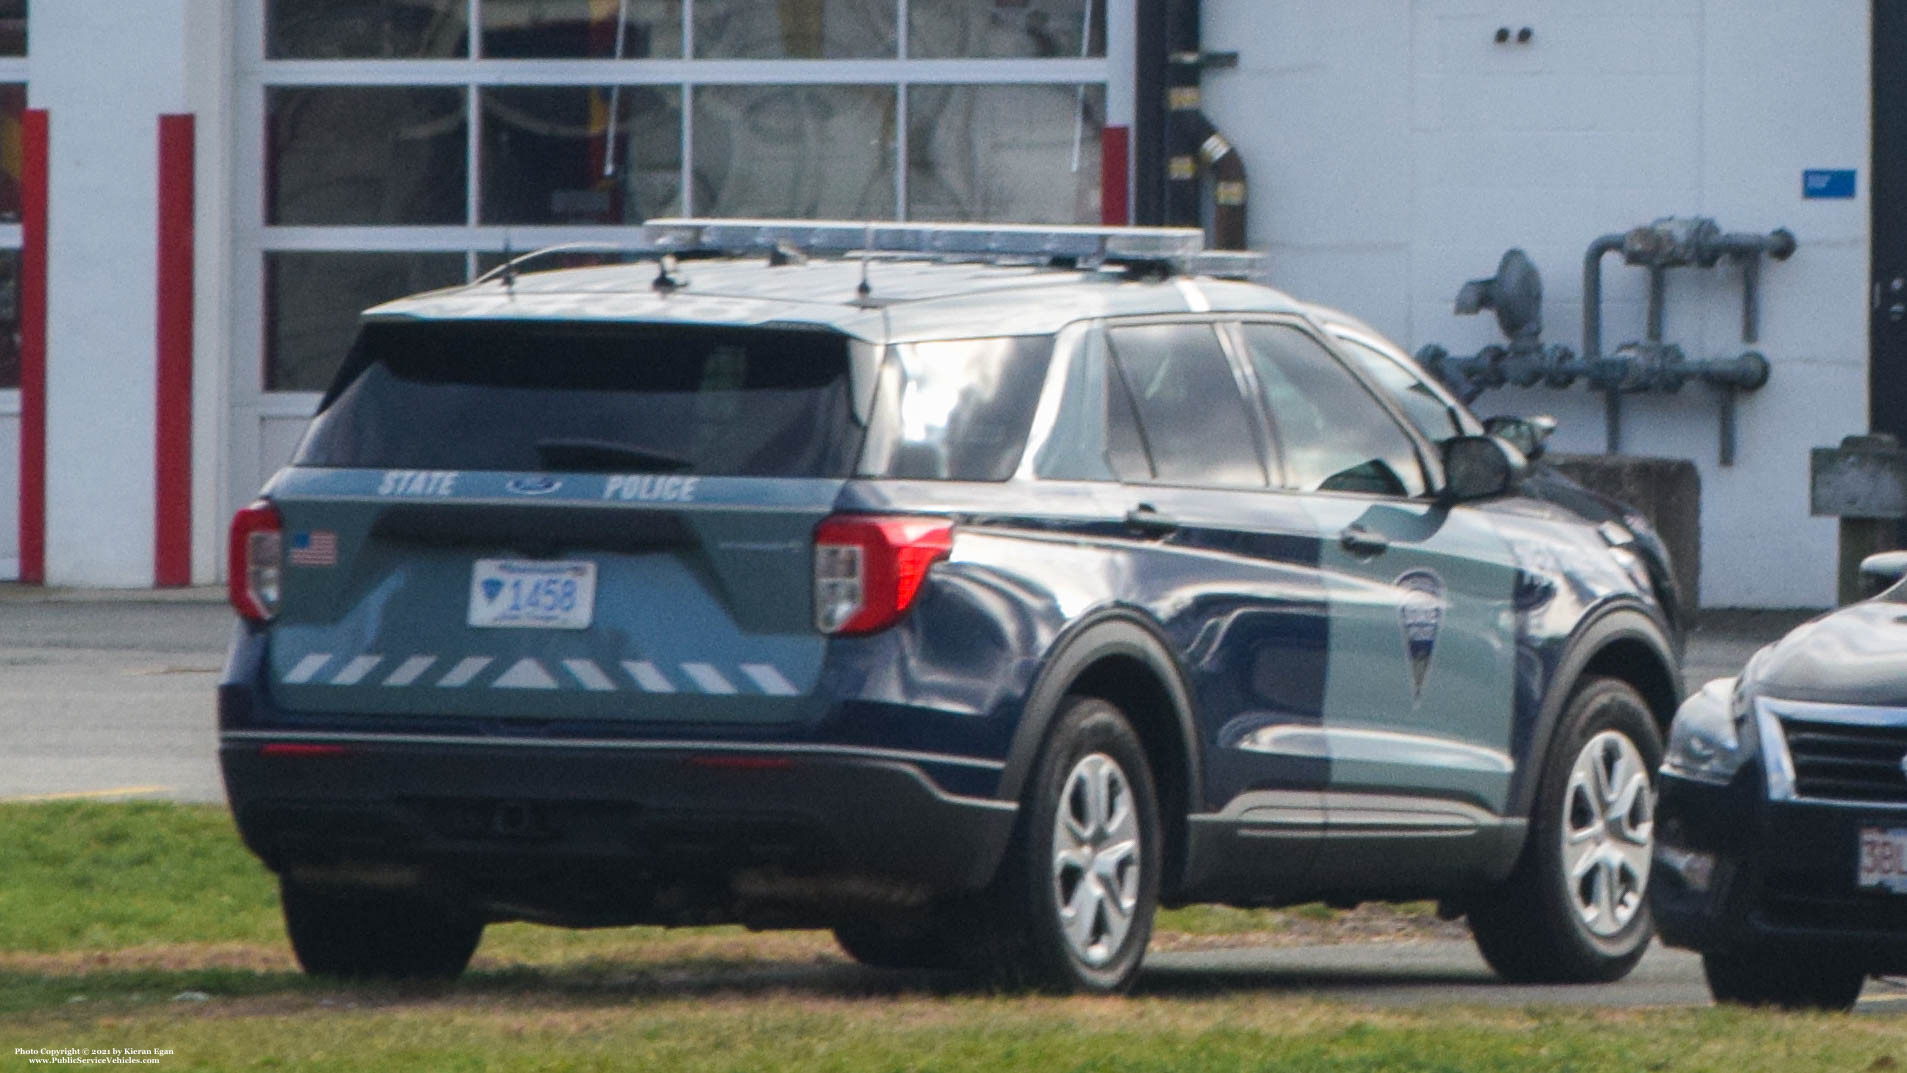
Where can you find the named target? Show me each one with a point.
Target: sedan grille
(1847, 762)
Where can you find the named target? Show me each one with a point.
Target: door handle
(1146, 518)
(1362, 543)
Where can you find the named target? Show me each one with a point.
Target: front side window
(1186, 416)
(1433, 414)
(1332, 434)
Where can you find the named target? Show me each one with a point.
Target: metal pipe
(1658, 299)
(1592, 334)
(1592, 293)
(1195, 150)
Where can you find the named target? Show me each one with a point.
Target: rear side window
(956, 409)
(590, 397)
(1176, 410)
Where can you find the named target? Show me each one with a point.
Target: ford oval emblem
(534, 486)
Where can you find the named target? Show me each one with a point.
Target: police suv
(968, 590)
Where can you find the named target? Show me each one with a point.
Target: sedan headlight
(1705, 741)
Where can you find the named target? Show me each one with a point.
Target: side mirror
(1882, 571)
(1478, 467)
(1526, 434)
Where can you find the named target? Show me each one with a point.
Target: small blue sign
(1827, 183)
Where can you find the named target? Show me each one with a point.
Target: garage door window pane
(365, 29)
(9, 318)
(1013, 153)
(802, 151)
(549, 156)
(12, 105)
(366, 155)
(651, 29)
(795, 29)
(938, 29)
(312, 302)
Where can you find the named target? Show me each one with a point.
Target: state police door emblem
(1420, 612)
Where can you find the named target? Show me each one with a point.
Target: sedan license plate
(1883, 859)
(532, 594)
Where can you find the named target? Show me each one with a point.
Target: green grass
(524, 1028)
(91, 876)
(148, 925)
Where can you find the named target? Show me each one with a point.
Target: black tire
(929, 941)
(372, 935)
(1542, 925)
(1754, 977)
(1090, 742)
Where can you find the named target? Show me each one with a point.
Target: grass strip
(508, 1027)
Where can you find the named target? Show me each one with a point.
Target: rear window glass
(956, 409)
(569, 397)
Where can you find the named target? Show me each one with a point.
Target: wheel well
(1634, 662)
(1133, 687)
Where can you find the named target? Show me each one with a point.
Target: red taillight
(255, 561)
(302, 749)
(868, 568)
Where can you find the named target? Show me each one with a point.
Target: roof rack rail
(515, 264)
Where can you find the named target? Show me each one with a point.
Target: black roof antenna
(509, 267)
(867, 254)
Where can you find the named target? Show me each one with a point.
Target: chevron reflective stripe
(525, 674)
(306, 668)
(464, 671)
(410, 670)
(708, 678)
(648, 676)
(769, 680)
(354, 671)
(590, 675)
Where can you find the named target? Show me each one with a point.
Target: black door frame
(1887, 235)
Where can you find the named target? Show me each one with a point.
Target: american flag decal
(318, 547)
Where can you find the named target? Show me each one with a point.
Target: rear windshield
(569, 397)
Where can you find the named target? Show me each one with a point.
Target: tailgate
(633, 598)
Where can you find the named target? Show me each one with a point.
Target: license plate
(1883, 859)
(532, 594)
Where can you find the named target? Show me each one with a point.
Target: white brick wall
(1395, 150)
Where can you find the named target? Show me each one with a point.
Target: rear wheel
(1755, 977)
(1575, 909)
(1078, 894)
(364, 935)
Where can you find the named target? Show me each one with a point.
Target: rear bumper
(612, 832)
(1734, 870)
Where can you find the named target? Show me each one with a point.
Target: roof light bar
(1229, 264)
(959, 240)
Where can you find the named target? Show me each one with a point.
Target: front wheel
(1754, 977)
(1077, 897)
(1575, 909)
